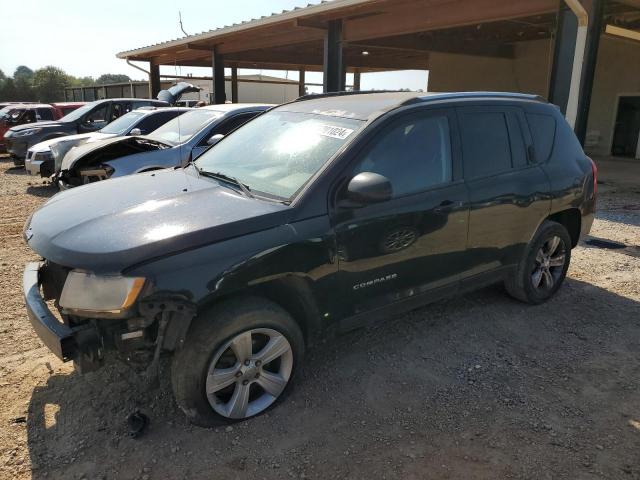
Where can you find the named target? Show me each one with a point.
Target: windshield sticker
(334, 132)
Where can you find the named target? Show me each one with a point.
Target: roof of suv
(367, 105)
(27, 106)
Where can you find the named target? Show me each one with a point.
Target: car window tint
(99, 115)
(230, 125)
(119, 109)
(29, 116)
(45, 114)
(485, 143)
(414, 154)
(155, 120)
(543, 131)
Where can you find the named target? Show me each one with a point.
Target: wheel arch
(571, 219)
(292, 293)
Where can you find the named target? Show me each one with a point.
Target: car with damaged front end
(317, 216)
(41, 158)
(174, 144)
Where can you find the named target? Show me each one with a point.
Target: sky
(83, 36)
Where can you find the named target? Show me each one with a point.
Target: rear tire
(219, 373)
(544, 265)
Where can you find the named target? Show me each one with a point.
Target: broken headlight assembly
(86, 294)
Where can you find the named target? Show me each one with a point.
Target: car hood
(76, 139)
(27, 126)
(79, 151)
(107, 227)
(173, 94)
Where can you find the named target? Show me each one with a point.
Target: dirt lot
(481, 387)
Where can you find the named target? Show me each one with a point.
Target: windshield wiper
(227, 178)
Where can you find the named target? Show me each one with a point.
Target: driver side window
(98, 116)
(414, 153)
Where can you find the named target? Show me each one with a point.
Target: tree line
(47, 84)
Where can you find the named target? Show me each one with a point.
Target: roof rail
(313, 96)
(467, 95)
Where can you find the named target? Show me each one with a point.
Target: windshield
(78, 113)
(122, 125)
(185, 126)
(278, 152)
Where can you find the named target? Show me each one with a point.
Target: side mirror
(135, 131)
(367, 188)
(215, 139)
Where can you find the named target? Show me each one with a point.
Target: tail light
(594, 170)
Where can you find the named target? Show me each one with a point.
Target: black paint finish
(327, 262)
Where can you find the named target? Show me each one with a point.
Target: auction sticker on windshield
(334, 132)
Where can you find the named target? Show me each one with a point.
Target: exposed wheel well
(293, 294)
(571, 219)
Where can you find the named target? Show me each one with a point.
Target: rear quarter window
(543, 131)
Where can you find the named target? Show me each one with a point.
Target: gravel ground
(479, 387)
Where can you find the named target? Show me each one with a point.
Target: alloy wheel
(248, 373)
(549, 264)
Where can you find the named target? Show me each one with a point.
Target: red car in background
(64, 108)
(21, 113)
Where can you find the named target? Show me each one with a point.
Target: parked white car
(45, 158)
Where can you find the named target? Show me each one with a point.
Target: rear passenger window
(485, 143)
(415, 154)
(155, 120)
(543, 131)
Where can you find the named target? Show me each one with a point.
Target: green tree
(3, 77)
(23, 80)
(8, 91)
(85, 81)
(49, 84)
(23, 72)
(112, 78)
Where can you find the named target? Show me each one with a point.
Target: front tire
(544, 265)
(238, 361)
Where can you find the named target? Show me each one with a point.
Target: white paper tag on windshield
(334, 132)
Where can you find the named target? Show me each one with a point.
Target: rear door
(414, 243)
(508, 191)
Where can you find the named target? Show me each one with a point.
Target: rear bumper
(56, 336)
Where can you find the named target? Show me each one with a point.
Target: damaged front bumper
(57, 337)
(159, 323)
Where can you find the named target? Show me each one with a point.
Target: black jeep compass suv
(330, 211)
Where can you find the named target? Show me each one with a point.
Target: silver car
(40, 157)
(174, 144)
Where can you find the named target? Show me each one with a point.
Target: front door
(416, 241)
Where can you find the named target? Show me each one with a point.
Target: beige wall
(527, 72)
(617, 72)
(247, 92)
